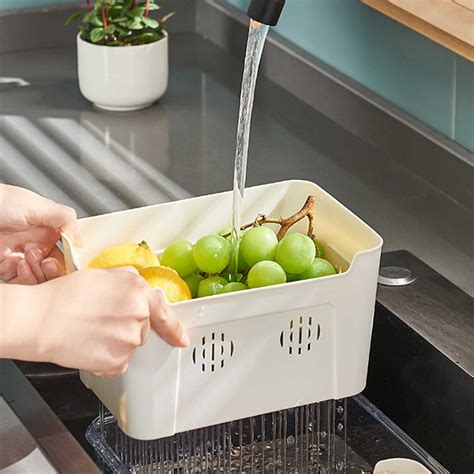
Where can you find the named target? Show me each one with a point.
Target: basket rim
(222, 297)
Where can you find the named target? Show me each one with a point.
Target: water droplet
(340, 426)
(323, 434)
(340, 409)
(290, 440)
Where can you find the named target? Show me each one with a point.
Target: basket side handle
(69, 256)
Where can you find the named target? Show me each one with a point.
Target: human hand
(30, 227)
(96, 319)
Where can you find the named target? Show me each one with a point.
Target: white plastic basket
(251, 352)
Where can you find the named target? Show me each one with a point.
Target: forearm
(20, 323)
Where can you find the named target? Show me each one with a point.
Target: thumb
(164, 322)
(47, 213)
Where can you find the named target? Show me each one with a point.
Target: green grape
(265, 273)
(319, 248)
(291, 277)
(243, 266)
(295, 252)
(211, 253)
(320, 267)
(193, 281)
(234, 286)
(211, 286)
(258, 244)
(179, 256)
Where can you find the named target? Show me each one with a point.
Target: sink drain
(396, 276)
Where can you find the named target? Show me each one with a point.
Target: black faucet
(266, 11)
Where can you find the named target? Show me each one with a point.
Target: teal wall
(15, 4)
(416, 74)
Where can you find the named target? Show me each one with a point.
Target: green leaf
(119, 19)
(124, 28)
(148, 37)
(73, 17)
(137, 12)
(135, 24)
(93, 19)
(126, 23)
(150, 22)
(123, 32)
(96, 21)
(153, 6)
(84, 32)
(116, 11)
(97, 34)
(110, 29)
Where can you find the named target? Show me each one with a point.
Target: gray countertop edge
(56, 442)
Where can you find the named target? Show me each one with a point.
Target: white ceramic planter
(123, 78)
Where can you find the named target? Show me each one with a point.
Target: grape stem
(306, 211)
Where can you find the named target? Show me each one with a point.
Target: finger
(8, 268)
(48, 213)
(24, 274)
(113, 374)
(164, 322)
(52, 268)
(57, 254)
(34, 256)
(53, 265)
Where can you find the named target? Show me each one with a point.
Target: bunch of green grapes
(262, 261)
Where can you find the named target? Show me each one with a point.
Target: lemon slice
(173, 286)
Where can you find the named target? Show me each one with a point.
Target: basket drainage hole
(299, 337)
(212, 352)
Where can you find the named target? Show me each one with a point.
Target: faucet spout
(266, 11)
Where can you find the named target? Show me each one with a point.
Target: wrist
(21, 322)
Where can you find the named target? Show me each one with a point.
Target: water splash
(297, 440)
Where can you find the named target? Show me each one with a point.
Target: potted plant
(122, 54)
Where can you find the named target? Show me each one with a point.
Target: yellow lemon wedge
(139, 256)
(173, 286)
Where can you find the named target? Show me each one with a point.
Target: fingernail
(184, 341)
(33, 254)
(50, 268)
(132, 269)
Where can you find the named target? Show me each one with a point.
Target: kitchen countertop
(54, 142)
